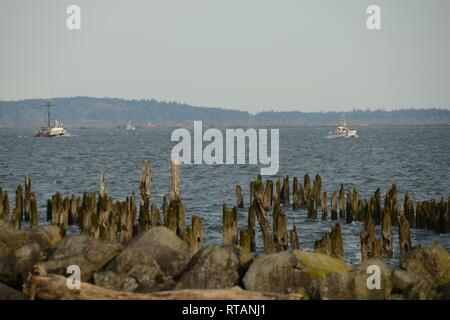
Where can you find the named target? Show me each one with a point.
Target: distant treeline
(86, 111)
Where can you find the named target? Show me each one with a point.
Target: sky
(251, 55)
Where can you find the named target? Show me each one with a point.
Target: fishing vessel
(130, 126)
(51, 130)
(342, 131)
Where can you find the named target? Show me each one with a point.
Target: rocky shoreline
(157, 264)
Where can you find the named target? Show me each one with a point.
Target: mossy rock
(290, 271)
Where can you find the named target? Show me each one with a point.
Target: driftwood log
(53, 287)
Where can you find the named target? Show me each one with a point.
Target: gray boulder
(290, 271)
(215, 268)
(354, 284)
(431, 263)
(89, 254)
(159, 245)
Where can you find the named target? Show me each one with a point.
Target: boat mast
(48, 104)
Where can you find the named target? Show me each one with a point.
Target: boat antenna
(48, 104)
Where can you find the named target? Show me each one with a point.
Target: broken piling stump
(27, 208)
(280, 230)
(230, 226)
(386, 229)
(324, 206)
(268, 195)
(369, 244)
(252, 227)
(34, 214)
(293, 238)
(196, 234)
(144, 200)
(239, 197)
(269, 246)
(341, 201)
(244, 240)
(334, 212)
(404, 234)
(331, 243)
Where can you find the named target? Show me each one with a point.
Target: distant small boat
(57, 129)
(130, 126)
(342, 131)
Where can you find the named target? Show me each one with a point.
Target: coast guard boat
(342, 131)
(57, 129)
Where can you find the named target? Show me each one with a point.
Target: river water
(416, 158)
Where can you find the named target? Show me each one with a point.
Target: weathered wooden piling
(1, 203)
(165, 209)
(239, 197)
(394, 204)
(196, 234)
(317, 188)
(280, 231)
(34, 214)
(284, 194)
(176, 217)
(105, 217)
(324, 206)
(230, 226)
(369, 244)
(348, 208)
(171, 221)
(175, 171)
(4, 205)
(27, 207)
(268, 195)
(251, 226)
(377, 207)
(331, 243)
(386, 232)
(6, 211)
(355, 204)
(155, 217)
(74, 212)
(277, 193)
(244, 240)
(269, 246)
(341, 201)
(408, 210)
(404, 234)
(334, 212)
(307, 187)
(420, 216)
(144, 220)
(63, 218)
(443, 217)
(294, 186)
(17, 214)
(312, 207)
(293, 238)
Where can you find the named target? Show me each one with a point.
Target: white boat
(342, 131)
(51, 130)
(130, 126)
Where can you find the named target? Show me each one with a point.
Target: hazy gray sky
(248, 54)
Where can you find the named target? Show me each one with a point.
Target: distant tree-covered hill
(86, 111)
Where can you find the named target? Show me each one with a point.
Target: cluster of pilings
(25, 208)
(347, 205)
(96, 214)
